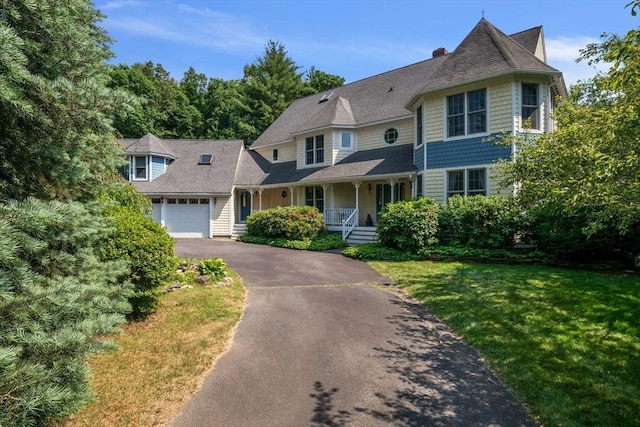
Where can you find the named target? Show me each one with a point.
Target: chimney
(439, 52)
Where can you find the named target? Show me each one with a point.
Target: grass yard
(162, 360)
(567, 342)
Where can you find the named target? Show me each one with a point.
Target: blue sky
(351, 38)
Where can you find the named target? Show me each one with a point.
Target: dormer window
(140, 168)
(205, 159)
(325, 97)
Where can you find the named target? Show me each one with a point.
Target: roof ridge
(494, 34)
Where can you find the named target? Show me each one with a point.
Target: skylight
(325, 97)
(205, 159)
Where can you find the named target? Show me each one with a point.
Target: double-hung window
(314, 196)
(530, 106)
(467, 182)
(314, 150)
(467, 113)
(140, 168)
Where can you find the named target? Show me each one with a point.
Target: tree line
(197, 106)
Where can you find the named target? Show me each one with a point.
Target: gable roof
(374, 99)
(148, 144)
(486, 52)
(185, 176)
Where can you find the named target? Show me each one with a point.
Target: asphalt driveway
(324, 342)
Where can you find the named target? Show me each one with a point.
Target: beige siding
(435, 182)
(500, 112)
(495, 189)
(286, 152)
(372, 137)
(220, 217)
(500, 108)
(339, 153)
(434, 119)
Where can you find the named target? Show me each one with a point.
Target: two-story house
(417, 130)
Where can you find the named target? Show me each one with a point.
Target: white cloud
(119, 4)
(562, 53)
(188, 25)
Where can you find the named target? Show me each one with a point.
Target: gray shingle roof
(377, 98)
(185, 176)
(392, 160)
(529, 39)
(484, 53)
(148, 144)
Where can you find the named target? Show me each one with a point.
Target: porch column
(324, 196)
(291, 194)
(392, 183)
(333, 197)
(260, 190)
(357, 184)
(252, 191)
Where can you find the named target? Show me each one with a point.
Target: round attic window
(391, 135)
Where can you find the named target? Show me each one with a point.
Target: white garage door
(187, 217)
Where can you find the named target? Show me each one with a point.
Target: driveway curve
(323, 342)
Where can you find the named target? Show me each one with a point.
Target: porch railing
(349, 224)
(337, 216)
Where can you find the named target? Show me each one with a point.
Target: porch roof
(360, 165)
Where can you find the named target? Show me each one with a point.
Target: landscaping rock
(203, 279)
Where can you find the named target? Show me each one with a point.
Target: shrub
(480, 222)
(563, 235)
(57, 301)
(409, 225)
(376, 251)
(215, 267)
(291, 222)
(322, 242)
(148, 250)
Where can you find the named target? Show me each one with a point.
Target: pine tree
(56, 300)
(272, 83)
(56, 140)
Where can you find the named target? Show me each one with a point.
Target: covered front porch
(345, 205)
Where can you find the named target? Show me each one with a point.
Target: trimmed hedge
(291, 222)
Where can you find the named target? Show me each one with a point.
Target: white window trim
(134, 166)
(445, 193)
(352, 145)
(445, 114)
(384, 140)
(541, 118)
(304, 151)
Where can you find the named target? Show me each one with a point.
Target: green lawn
(565, 341)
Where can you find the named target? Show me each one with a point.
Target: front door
(245, 205)
(383, 195)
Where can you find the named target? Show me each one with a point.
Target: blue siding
(418, 157)
(464, 152)
(157, 167)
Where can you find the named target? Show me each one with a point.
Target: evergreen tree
(272, 83)
(56, 300)
(56, 139)
(318, 81)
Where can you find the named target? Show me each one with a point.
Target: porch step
(362, 235)
(238, 230)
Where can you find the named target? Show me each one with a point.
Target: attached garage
(187, 217)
